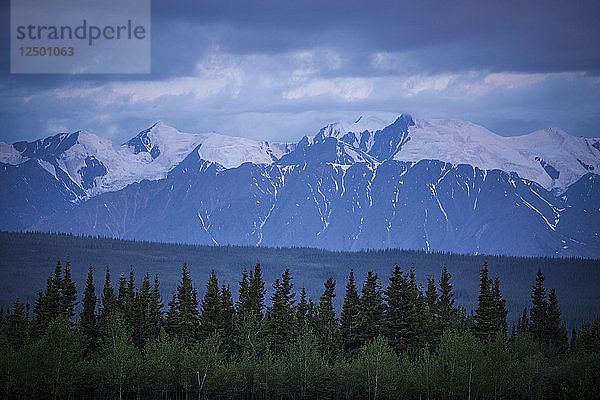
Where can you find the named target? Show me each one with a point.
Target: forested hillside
(26, 259)
(394, 338)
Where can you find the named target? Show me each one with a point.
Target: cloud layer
(280, 70)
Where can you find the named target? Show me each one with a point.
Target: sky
(279, 70)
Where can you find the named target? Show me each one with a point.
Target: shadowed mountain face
(339, 190)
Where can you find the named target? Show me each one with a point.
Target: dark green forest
(26, 259)
(393, 338)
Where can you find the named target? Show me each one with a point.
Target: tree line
(402, 339)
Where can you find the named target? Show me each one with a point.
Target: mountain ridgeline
(433, 185)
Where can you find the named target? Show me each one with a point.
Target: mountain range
(437, 185)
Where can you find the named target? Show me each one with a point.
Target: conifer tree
(256, 292)
(109, 299)
(557, 331)
(433, 331)
(523, 323)
(122, 294)
(243, 303)
(349, 329)
(280, 320)
(446, 301)
(539, 309)
(227, 314)
(172, 320)
(141, 318)
(53, 294)
(130, 306)
(499, 308)
(40, 314)
(484, 314)
(371, 309)
(68, 298)
(416, 313)
(89, 324)
(302, 312)
(16, 325)
(396, 311)
(187, 307)
(210, 318)
(326, 323)
(155, 318)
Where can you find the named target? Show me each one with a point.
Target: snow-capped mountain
(414, 183)
(550, 157)
(90, 165)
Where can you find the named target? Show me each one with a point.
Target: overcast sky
(277, 70)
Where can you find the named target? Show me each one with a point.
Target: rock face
(347, 188)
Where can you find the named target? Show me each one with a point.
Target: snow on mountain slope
(231, 151)
(10, 155)
(551, 157)
(97, 165)
(165, 147)
(564, 158)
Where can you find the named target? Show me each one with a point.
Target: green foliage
(109, 299)
(68, 293)
(210, 306)
(119, 360)
(349, 318)
(371, 309)
(326, 322)
(446, 302)
(186, 306)
(245, 355)
(539, 310)
(377, 365)
(89, 323)
(280, 323)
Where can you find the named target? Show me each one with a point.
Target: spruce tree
(446, 301)
(539, 309)
(256, 291)
(302, 312)
(280, 318)
(89, 324)
(122, 294)
(243, 303)
(432, 315)
(371, 309)
(172, 321)
(349, 329)
(326, 323)
(187, 307)
(396, 311)
(210, 318)
(109, 299)
(499, 308)
(40, 315)
(523, 323)
(130, 306)
(16, 325)
(415, 327)
(485, 312)
(142, 325)
(155, 317)
(53, 294)
(68, 298)
(227, 314)
(557, 331)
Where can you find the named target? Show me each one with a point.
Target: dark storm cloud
(531, 36)
(281, 69)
